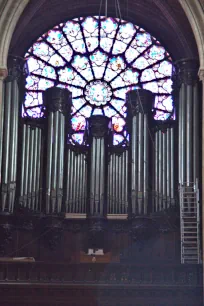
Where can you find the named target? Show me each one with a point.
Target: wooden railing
(40, 272)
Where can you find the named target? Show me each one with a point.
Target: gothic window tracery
(99, 60)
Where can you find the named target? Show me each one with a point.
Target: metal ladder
(190, 223)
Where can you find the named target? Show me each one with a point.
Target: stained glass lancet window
(98, 59)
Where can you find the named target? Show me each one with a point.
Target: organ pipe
(164, 165)
(187, 71)
(118, 181)
(31, 165)
(76, 179)
(58, 104)
(98, 140)
(8, 152)
(195, 132)
(140, 103)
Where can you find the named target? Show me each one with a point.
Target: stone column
(58, 104)
(140, 103)
(10, 116)
(188, 118)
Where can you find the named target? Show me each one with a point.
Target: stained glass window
(98, 59)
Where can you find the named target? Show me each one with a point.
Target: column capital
(3, 73)
(98, 125)
(139, 101)
(57, 100)
(187, 71)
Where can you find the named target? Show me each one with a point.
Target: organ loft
(101, 157)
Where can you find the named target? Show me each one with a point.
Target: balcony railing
(115, 274)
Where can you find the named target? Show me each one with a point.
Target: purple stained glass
(99, 60)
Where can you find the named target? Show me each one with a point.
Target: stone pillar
(10, 118)
(188, 118)
(140, 104)
(98, 140)
(58, 104)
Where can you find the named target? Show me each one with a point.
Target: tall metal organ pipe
(164, 178)
(140, 103)
(58, 104)
(118, 181)
(186, 76)
(8, 152)
(31, 165)
(76, 180)
(98, 158)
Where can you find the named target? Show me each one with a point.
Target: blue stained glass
(99, 60)
(156, 52)
(78, 138)
(147, 75)
(143, 39)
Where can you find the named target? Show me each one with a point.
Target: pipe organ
(58, 104)
(164, 179)
(118, 181)
(9, 137)
(31, 165)
(140, 104)
(188, 121)
(75, 179)
(97, 179)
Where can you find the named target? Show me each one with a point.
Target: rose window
(99, 60)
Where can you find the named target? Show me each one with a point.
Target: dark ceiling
(165, 19)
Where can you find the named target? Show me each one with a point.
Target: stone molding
(10, 14)
(194, 12)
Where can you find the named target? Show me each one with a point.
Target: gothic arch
(194, 11)
(12, 10)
